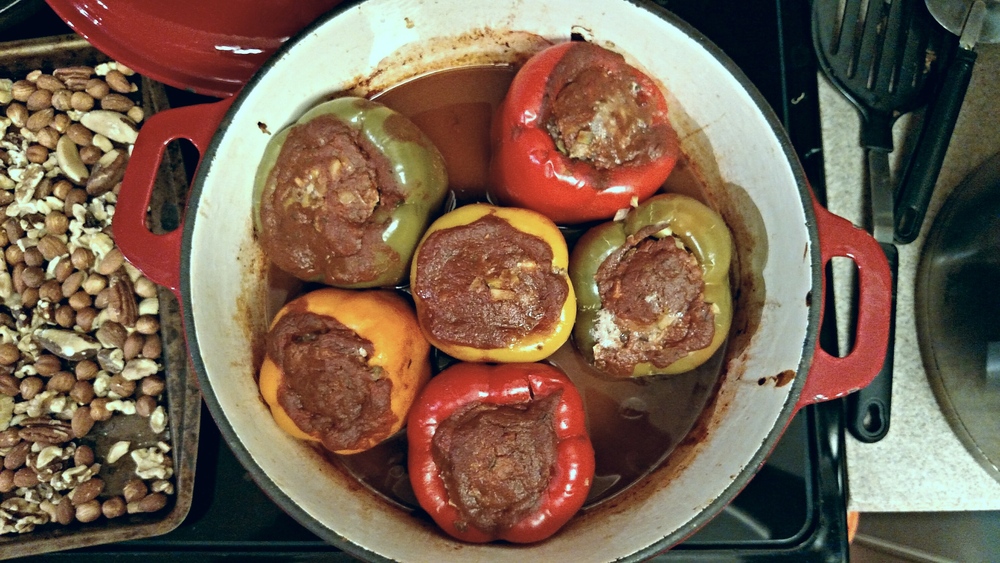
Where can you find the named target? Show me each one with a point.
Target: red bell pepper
(530, 168)
(471, 388)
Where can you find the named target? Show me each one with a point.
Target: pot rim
(784, 416)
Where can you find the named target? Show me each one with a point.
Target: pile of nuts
(79, 325)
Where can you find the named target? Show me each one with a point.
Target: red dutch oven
(735, 146)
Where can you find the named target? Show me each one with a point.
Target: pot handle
(158, 256)
(831, 377)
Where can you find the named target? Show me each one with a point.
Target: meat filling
(321, 217)
(653, 305)
(497, 460)
(328, 387)
(487, 284)
(599, 113)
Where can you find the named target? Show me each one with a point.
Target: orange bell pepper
(397, 357)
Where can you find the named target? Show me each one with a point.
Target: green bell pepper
(703, 234)
(339, 234)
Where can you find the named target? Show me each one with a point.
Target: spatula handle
(920, 176)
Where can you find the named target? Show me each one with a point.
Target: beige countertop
(920, 465)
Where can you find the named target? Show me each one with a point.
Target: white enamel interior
(221, 251)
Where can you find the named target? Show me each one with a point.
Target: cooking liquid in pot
(634, 424)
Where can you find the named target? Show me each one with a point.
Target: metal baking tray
(183, 398)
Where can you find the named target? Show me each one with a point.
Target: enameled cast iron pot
(772, 367)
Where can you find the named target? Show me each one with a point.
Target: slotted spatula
(883, 55)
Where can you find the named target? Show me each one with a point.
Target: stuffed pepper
(580, 135)
(653, 289)
(342, 196)
(490, 284)
(342, 368)
(500, 451)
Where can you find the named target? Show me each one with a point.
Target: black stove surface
(792, 510)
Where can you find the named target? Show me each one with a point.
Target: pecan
(74, 77)
(51, 434)
(122, 306)
(108, 171)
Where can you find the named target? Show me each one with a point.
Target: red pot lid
(210, 47)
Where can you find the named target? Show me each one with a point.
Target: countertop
(920, 465)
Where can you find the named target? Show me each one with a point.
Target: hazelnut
(61, 382)
(99, 409)
(48, 365)
(97, 88)
(37, 154)
(80, 300)
(13, 254)
(86, 369)
(135, 489)
(90, 154)
(61, 188)
(147, 324)
(152, 385)
(82, 259)
(85, 318)
(29, 297)
(65, 316)
(56, 222)
(33, 276)
(83, 393)
(145, 405)
(31, 386)
(9, 354)
(48, 137)
(81, 101)
(84, 455)
(51, 291)
(152, 348)
(113, 507)
(33, 257)
(120, 386)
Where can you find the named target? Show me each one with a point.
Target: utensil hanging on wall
(876, 54)
(974, 21)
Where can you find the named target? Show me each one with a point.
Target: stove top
(793, 509)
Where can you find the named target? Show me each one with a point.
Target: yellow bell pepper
(486, 281)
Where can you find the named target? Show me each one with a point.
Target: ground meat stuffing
(326, 203)
(653, 298)
(488, 285)
(327, 387)
(599, 113)
(497, 460)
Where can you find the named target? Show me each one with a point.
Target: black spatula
(882, 55)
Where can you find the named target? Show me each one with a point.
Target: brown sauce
(634, 423)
